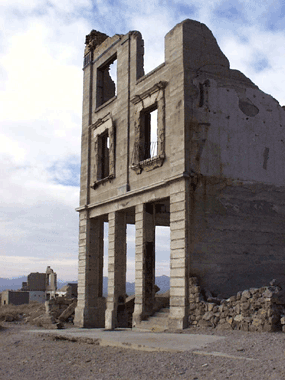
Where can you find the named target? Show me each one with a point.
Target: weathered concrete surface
(126, 338)
(217, 178)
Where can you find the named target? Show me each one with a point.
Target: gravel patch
(31, 356)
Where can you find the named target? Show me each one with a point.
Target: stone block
(246, 294)
(210, 306)
(204, 323)
(208, 315)
(238, 318)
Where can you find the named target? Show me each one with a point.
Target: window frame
(153, 98)
(102, 127)
(100, 82)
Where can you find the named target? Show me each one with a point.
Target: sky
(41, 55)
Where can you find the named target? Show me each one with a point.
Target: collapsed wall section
(254, 309)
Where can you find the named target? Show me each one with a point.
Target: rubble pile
(256, 309)
(58, 311)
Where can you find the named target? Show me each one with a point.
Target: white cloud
(66, 267)
(244, 54)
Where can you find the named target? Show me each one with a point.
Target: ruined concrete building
(212, 169)
(14, 297)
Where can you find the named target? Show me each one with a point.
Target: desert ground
(25, 355)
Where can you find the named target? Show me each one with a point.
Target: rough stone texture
(250, 310)
(217, 178)
(58, 310)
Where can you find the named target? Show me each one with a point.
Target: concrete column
(90, 308)
(145, 262)
(149, 267)
(116, 267)
(179, 255)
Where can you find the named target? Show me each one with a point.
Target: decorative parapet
(157, 87)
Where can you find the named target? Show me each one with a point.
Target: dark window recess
(148, 138)
(106, 81)
(103, 171)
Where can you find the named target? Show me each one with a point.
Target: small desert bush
(17, 312)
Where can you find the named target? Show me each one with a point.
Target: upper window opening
(104, 145)
(148, 146)
(107, 81)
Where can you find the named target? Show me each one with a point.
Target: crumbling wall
(255, 309)
(51, 280)
(36, 281)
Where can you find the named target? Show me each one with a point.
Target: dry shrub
(11, 313)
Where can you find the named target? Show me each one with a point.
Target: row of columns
(90, 311)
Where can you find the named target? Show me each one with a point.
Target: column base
(138, 316)
(89, 317)
(110, 319)
(177, 323)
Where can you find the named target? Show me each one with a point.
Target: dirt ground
(28, 356)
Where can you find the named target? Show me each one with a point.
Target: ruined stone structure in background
(41, 281)
(38, 287)
(51, 283)
(14, 297)
(212, 169)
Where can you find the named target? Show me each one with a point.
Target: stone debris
(68, 312)
(254, 309)
(57, 311)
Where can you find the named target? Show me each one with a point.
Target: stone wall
(37, 281)
(255, 309)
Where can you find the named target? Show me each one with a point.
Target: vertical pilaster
(90, 305)
(116, 267)
(145, 262)
(149, 262)
(179, 254)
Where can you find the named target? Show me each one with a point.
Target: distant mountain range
(163, 282)
(16, 283)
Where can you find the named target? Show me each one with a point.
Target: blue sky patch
(230, 12)
(66, 173)
(260, 64)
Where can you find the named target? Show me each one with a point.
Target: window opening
(105, 259)
(149, 134)
(162, 257)
(104, 144)
(130, 273)
(107, 81)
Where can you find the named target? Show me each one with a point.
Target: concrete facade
(10, 297)
(37, 296)
(214, 174)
